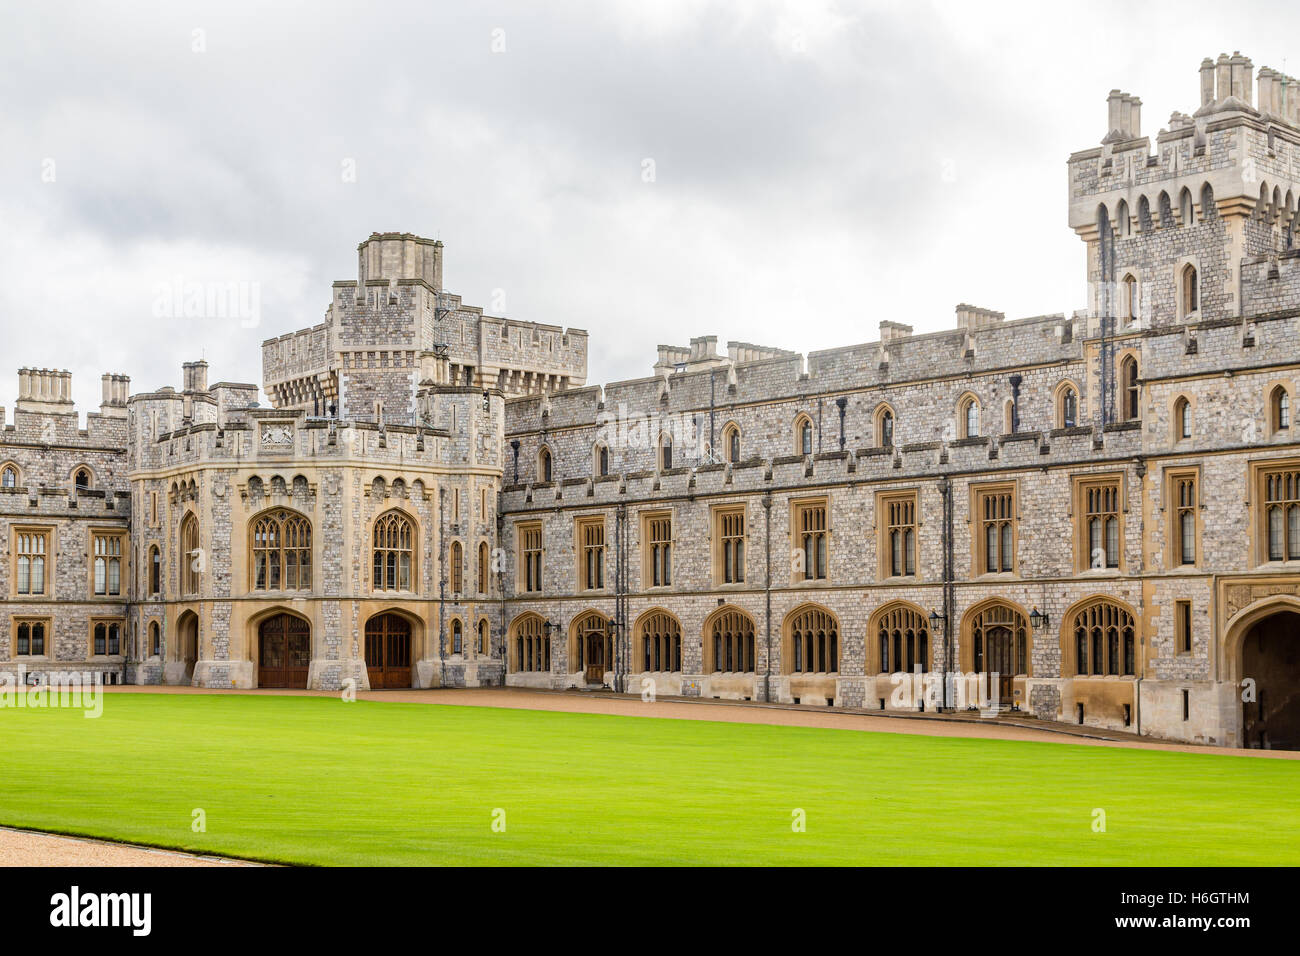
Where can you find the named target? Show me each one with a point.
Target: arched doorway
(593, 647)
(283, 651)
(999, 643)
(187, 629)
(1270, 656)
(388, 651)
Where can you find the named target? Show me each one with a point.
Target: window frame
(1083, 485)
(111, 536)
(651, 522)
(590, 555)
(47, 637)
(1260, 472)
(979, 491)
(723, 539)
(799, 535)
(524, 552)
(886, 504)
(94, 625)
(48, 533)
(401, 519)
(1175, 478)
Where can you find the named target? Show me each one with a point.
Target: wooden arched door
(388, 651)
(283, 652)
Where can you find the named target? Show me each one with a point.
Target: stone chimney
(196, 376)
(890, 331)
(45, 390)
(970, 317)
(116, 389)
(1207, 81)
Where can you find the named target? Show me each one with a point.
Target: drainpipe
(767, 595)
(515, 446)
(842, 403)
(945, 489)
(442, 581)
(501, 590)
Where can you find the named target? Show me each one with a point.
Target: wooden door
(1001, 660)
(388, 651)
(283, 652)
(595, 658)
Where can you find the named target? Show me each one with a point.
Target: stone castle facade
(1100, 511)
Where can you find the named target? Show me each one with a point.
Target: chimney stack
(195, 376)
(1207, 81)
(116, 389)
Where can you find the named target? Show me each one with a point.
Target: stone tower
(1174, 235)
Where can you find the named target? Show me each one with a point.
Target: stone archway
(187, 650)
(1269, 657)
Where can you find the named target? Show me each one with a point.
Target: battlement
(394, 329)
(1168, 232)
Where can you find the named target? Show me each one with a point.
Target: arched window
(191, 556)
(1104, 640)
(601, 464)
(803, 435)
(1187, 208)
(968, 415)
(82, 479)
(666, 452)
(1279, 408)
(731, 443)
(658, 642)
(1069, 411)
(155, 571)
(532, 650)
(393, 558)
(813, 642)
(457, 636)
(1183, 418)
(457, 567)
(9, 477)
(1189, 294)
(544, 464)
(484, 572)
(484, 633)
(729, 643)
(1129, 299)
(1128, 383)
(885, 427)
(281, 552)
(902, 640)
(1123, 220)
(155, 639)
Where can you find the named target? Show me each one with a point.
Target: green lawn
(318, 780)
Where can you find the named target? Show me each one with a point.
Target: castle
(1100, 511)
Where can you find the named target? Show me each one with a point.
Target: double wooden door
(1000, 659)
(283, 652)
(388, 651)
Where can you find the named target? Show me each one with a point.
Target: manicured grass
(318, 780)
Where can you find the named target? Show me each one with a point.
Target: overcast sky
(817, 167)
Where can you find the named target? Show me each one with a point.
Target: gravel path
(29, 848)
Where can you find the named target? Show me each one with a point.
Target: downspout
(767, 595)
(842, 403)
(442, 582)
(945, 489)
(501, 589)
(1142, 537)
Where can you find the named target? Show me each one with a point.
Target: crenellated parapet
(1168, 230)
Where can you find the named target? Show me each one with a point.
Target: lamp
(936, 619)
(1037, 619)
